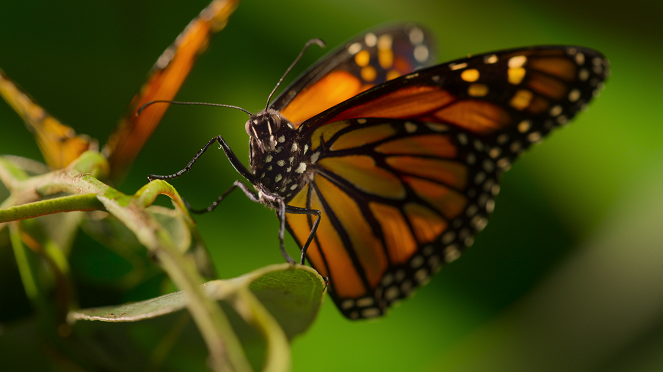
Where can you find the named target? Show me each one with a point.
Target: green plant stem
(277, 358)
(226, 353)
(85, 202)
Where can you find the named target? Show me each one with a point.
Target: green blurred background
(568, 275)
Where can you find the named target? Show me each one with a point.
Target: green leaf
(292, 294)
(266, 308)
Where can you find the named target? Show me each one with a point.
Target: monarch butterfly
(383, 169)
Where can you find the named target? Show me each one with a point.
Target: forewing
(363, 62)
(509, 99)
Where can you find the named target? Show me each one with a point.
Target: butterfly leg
(241, 169)
(249, 194)
(296, 210)
(277, 201)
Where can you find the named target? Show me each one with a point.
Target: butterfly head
(263, 129)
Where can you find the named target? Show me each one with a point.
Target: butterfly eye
(250, 127)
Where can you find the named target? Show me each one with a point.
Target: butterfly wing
(165, 79)
(59, 143)
(510, 99)
(363, 62)
(398, 199)
(406, 173)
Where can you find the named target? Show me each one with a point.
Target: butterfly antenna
(301, 54)
(189, 103)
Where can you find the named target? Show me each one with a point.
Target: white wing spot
(534, 137)
(451, 253)
(365, 302)
(346, 304)
(416, 36)
(354, 48)
(457, 66)
(555, 110)
(421, 53)
(416, 261)
(470, 159)
(371, 312)
(448, 237)
(490, 59)
(370, 39)
(517, 61)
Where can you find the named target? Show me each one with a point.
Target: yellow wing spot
(477, 90)
(580, 58)
(555, 110)
(470, 75)
(457, 66)
(362, 58)
(516, 75)
(386, 58)
(524, 126)
(574, 95)
(517, 61)
(521, 99)
(393, 74)
(385, 41)
(368, 73)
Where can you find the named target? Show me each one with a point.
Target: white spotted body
(276, 156)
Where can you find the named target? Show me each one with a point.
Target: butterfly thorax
(275, 155)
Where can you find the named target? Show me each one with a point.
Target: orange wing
(361, 63)
(516, 95)
(59, 143)
(165, 79)
(405, 173)
(390, 191)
